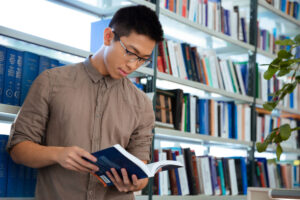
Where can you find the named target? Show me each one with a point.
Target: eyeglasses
(132, 57)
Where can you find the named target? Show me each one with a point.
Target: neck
(97, 61)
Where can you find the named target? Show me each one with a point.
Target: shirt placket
(96, 136)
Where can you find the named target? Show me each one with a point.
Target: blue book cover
(243, 24)
(27, 182)
(3, 165)
(18, 78)
(30, 72)
(117, 157)
(203, 116)
(177, 175)
(292, 100)
(44, 64)
(9, 76)
(33, 180)
(188, 111)
(97, 29)
(2, 68)
(20, 181)
(53, 63)
(12, 178)
(283, 5)
(230, 120)
(244, 175)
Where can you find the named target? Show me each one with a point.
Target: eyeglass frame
(137, 58)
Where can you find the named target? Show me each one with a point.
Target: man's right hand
(72, 158)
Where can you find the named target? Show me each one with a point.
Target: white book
(193, 11)
(271, 176)
(233, 76)
(163, 176)
(267, 126)
(206, 176)
(193, 114)
(212, 65)
(226, 76)
(172, 56)
(295, 96)
(240, 79)
(198, 161)
(211, 16)
(226, 121)
(264, 88)
(180, 61)
(200, 12)
(247, 124)
(203, 12)
(232, 177)
(234, 24)
(258, 128)
(183, 176)
(216, 119)
(183, 116)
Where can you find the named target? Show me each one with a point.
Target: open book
(117, 157)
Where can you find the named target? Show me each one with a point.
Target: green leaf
(261, 147)
(285, 131)
(290, 88)
(283, 72)
(269, 105)
(270, 72)
(298, 78)
(276, 93)
(278, 151)
(285, 42)
(275, 61)
(297, 38)
(284, 54)
(295, 129)
(271, 136)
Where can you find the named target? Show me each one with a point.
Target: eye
(129, 53)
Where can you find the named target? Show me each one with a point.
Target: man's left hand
(124, 184)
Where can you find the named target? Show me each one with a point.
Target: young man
(88, 106)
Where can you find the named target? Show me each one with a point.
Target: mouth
(122, 72)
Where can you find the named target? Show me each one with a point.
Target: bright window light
(226, 152)
(48, 20)
(5, 128)
(199, 149)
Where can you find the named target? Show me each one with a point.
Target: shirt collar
(96, 76)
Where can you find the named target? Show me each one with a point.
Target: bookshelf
(168, 18)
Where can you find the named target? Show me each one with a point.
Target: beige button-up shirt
(76, 105)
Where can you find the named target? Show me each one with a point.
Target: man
(88, 106)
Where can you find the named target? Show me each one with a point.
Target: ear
(108, 36)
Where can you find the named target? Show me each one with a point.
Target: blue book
(12, 178)
(291, 100)
(117, 157)
(283, 5)
(20, 181)
(265, 163)
(97, 29)
(3, 165)
(230, 120)
(53, 63)
(9, 76)
(27, 182)
(18, 79)
(214, 178)
(33, 180)
(30, 72)
(203, 116)
(44, 64)
(2, 68)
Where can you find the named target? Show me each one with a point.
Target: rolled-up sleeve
(31, 121)
(141, 139)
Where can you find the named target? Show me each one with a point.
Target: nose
(131, 66)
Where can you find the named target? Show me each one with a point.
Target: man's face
(126, 55)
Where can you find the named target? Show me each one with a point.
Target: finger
(116, 176)
(84, 153)
(113, 180)
(85, 164)
(134, 180)
(74, 165)
(126, 180)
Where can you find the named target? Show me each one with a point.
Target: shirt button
(91, 192)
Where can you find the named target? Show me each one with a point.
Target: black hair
(139, 19)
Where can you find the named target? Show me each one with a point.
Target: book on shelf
(15, 180)
(289, 7)
(18, 70)
(117, 157)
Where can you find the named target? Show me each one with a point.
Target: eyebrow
(138, 52)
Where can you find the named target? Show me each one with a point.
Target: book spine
(9, 76)
(18, 79)
(2, 69)
(3, 165)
